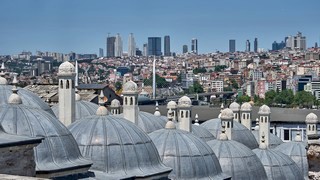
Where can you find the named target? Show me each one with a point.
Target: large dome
(240, 133)
(188, 155)
(274, 140)
(296, 150)
(149, 122)
(82, 109)
(237, 160)
(28, 98)
(58, 153)
(277, 165)
(66, 67)
(117, 147)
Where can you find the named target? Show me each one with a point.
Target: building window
(187, 114)
(286, 134)
(61, 84)
(125, 101)
(131, 101)
(67, 85)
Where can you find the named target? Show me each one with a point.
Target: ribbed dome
(66, 67)
(171, 105)
(117, 147)
(311, 118)
(130, 87)
(200, 132)
(264, 109)
(58, 151)
(237, 160)
(149, 122)
(296, 150)
(246, 107)
(277, 165)
(226, 114)
(115, 103)
(234, 106)
(240, 133)
(188, 155)
(28, 98)
(274, 140)
(82, 109)
(3, 81)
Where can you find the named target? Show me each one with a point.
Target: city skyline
(54, 26)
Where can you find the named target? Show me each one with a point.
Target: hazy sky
(82, 26)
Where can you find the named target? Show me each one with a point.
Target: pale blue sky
(82, 26)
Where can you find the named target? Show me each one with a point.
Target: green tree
(118, 85)
(160, 82)
(219, 68)
(270, 97)
(199, 70)
(197, 87)
(242, 99)
(234, 84)
(285, 97)
(304, 99)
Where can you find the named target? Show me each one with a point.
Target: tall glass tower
(167, 46)
(194, 46)
(131, 46)
(154, 46)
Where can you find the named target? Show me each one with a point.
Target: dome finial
(263, 144)
(170, 124)
(223, 136)
(157, 112)
(102, 110)
(101, 98)
(221, 107)
(78, 97)
(14, 98)
(256, 128)
(298, 137)
(196, 121)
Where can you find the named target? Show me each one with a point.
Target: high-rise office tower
(248, 46)
(232, 45)
(316, 45)
(296, 42)
(167, 46)
(118, 46)
(255, 48)
(110, 46)
(184, 49)
(194, 46)
(131, 46)
(145, 49)
(154, 46)
(100, 52)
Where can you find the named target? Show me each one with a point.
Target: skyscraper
(194, 46)
(296, 42)
(232, 45)
(248, 46)
(255, 48)
(131, 46)
(118, 46)
(184, 49)
(145, 49)
(110, 46)
(154, 46)
(100, 52)
(167, 46)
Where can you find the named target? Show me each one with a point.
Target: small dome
(237, 160)
(28, 98)
(58, 152)
(246, 107)
(14, 99)
(184, 101)
(189, 156)
(3, 81)
(264, 109)
(117, 147)
(234, 106)
(78, 97)
(170, 125)
(311, 118)
(296, 150)
(82, 109)
(200, 132)
(171, 105)
(102, 111)
(278, 165)
(115, 103)
(240, 133)
(66, 67)
(274, 140)
(226, 114)
(130, 86)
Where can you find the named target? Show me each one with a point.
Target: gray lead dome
(189, 156)
(117, 147)
(239, 132)
(28, 98)
(58, 152)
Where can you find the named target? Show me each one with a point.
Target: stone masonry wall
(18, 160)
